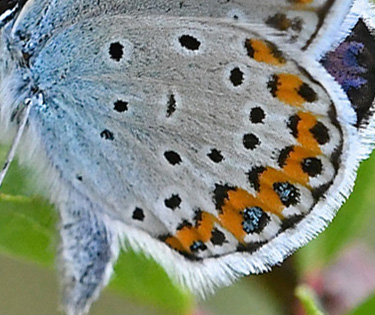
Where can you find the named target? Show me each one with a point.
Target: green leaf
(27, 228)
(366, 308)
(28, 232)
(350, 220)
(308, 300)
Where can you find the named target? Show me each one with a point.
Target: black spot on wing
(250, 141)
(120, 106)
(171, 105)
(254, 220)
(116, 51)
(257, 115)
(184, 224)
(198, 246)
(273, 85)
(320, 133)
(189, 42)
(107, 135)
(138, 214)
(173, 202)
(236, 77)
(289, 194)
(215, 156)
(284, 155)
(221, 194)
(198, 217)
(172, 157)
(292, 124)
(79, 177)
(253, 176)
(312, 166)
(249, 48)
(307, 93)
(217, 237)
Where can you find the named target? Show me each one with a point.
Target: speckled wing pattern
(216, 136)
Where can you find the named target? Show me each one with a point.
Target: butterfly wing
(197, 132)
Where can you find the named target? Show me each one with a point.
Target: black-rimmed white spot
(120, 106)
(107, 135)
(236, 76)
(138, 214)
(172, 157)
(173, 202)
(189, 42)
(250, 141)
(171, 105)
(116, 51)
(215, 156)
(257, 115)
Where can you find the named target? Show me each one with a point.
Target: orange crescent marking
(231, 217)
(287, 89)
(264, 53)
(305, 137)
(293, 168)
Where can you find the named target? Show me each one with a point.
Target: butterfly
(215, 136)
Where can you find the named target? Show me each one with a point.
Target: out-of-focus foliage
(308, 300)
(367, 308)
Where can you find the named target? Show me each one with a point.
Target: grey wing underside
(106, 130)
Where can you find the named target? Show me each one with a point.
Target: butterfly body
(206, 133)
